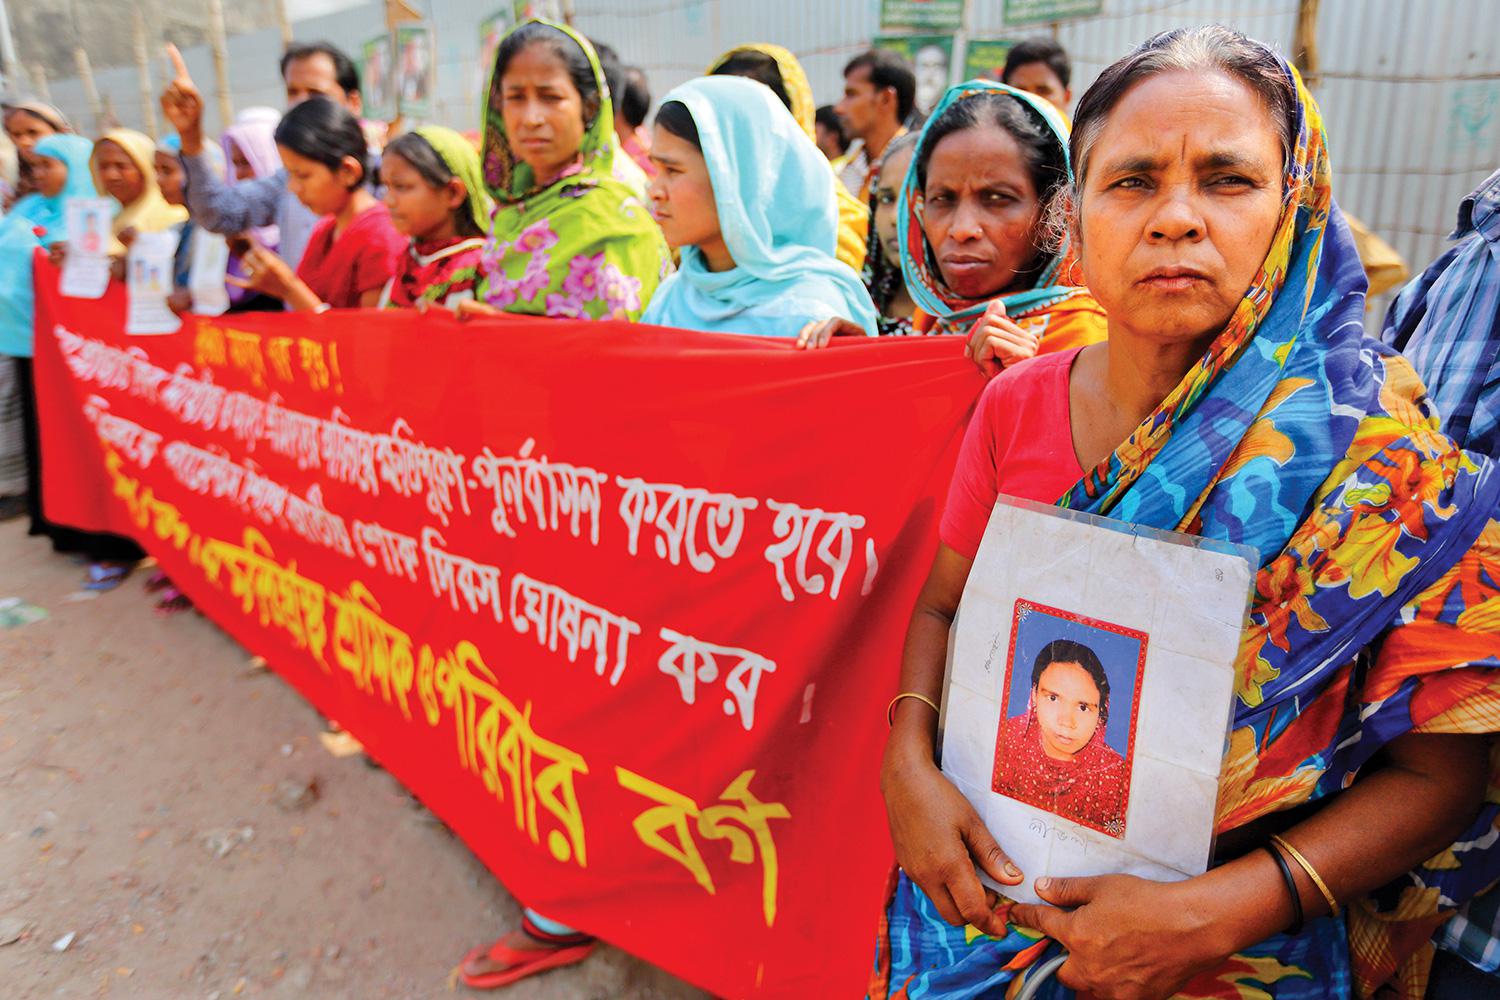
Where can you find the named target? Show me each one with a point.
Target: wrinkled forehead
(1203, 117)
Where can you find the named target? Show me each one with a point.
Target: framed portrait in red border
(1066, 739)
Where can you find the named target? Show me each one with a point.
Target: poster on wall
(375, 72)
(934, 14)
(551, 10)
(931, 58)
(1046, 11)
(1090, 689)
(414, 70)
(491, 30)
(984, 58)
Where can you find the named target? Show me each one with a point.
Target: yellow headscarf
(150, 212)
(854, 215)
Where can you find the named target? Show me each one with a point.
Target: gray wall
(1410, 91)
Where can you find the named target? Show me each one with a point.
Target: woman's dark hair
(42, 112)
(829, 119)
(635, 102)
(756, 66)
(676, 119)
(580, 70)
(1039, 145)
(1210, 47)
(1068, 651)
(1038, 50)
(344, 70)
(434, 170)
(325, 133)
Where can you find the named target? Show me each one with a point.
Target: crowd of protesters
(1170, 304)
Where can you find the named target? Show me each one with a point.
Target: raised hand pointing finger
(183, 104)
(180, 72)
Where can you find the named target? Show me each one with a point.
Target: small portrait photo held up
(1067, 738)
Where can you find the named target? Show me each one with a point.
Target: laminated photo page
(1090, 690)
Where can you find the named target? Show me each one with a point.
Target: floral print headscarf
(582, 246)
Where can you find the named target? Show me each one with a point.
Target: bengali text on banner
(623, 606)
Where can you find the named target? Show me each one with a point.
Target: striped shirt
(1447, 323)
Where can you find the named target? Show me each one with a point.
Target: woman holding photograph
(353, 250)
(1236, 398)
(124, 167)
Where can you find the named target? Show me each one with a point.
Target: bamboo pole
(12, 64)
(39, 82)
(143, 70)
(90, 89)
(1305, 42)
(220, 46)
(278, 7)
(85, 68)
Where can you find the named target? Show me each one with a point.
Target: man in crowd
(879, 92)
(1447, 324)
(317, 69)
(831, 137)
(1040, 66)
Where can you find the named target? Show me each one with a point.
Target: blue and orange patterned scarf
(1298, 435)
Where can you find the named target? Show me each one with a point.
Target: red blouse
(339, 269)
(1019, 442)
(1090, 789)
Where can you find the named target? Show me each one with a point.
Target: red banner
(622, 605)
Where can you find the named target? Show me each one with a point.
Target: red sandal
(556, 952)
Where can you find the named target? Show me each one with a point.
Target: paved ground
(148, 807)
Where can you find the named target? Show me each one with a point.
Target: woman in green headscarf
(567, 238)
(437, 198)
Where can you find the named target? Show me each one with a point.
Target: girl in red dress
(1054, 756)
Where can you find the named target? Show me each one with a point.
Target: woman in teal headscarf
(750, 200)
(18, 238)
(61, 171)
(47, 206)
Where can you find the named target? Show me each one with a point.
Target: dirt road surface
(153, 806)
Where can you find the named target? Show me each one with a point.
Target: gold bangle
(1312, 873)
(891, 708)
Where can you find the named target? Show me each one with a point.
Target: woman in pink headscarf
(250, 152)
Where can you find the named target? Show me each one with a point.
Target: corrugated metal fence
(1410, 91)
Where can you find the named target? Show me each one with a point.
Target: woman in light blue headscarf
(46, 207)
(47, 169)
(61, 170)
(750, 200)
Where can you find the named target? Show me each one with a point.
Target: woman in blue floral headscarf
(1236, 398)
